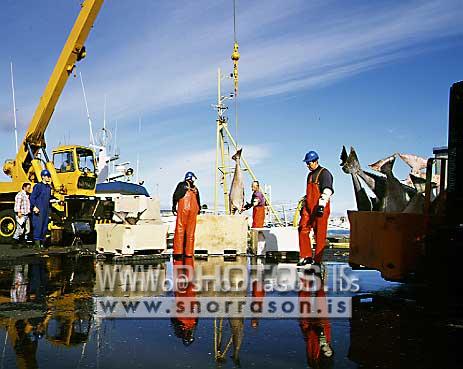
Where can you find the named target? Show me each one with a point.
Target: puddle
(49, 318)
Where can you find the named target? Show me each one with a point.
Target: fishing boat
(114, 178)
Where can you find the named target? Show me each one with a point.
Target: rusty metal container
(388, 242)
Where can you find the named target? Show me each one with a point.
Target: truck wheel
(7, 226)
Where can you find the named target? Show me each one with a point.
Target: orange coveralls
(183, 273)
(310, 220)
(187, 211)
(258, 216)
(312, 327)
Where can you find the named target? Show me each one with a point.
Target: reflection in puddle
(48, 319)
(48, 300)
(184, 327)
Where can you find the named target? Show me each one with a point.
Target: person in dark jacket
(40, 205)
(316, 210)
(186, 205)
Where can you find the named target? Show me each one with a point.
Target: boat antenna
(14, 108)
(104, 114)
(138, 151)
(92, 138)
(116, 150)
(115, 139)
(235, 57)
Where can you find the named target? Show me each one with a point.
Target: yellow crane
(72, 167)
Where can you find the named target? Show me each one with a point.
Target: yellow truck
(72, 167)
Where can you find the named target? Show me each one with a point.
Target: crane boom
(72, 168)
(72, 52)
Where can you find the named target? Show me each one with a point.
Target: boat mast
(92, 138)
(14, 108)
(222, 148)
(138, 151)
(104, 114)
(225, 138)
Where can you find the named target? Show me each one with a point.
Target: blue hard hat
(311, 156)
(45, 173)
(190, 175)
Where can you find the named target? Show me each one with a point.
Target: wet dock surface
(48, 319)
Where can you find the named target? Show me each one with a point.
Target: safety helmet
(311, 156)
(45, 173)
(190, 175)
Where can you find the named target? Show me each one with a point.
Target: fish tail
(385, 165)
(237, 155)
(350, 163)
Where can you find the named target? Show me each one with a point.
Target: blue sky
(313, 75)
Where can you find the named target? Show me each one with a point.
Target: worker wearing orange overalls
(315, 211)
(258, 206)
(186, 205)
(316, 330)
(184, 291)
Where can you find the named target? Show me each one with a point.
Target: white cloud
(350, 44)
(285, 47)
(169, 60)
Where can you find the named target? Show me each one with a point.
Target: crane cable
(234, 20)
(235, 58)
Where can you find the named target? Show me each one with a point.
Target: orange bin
(388, 242)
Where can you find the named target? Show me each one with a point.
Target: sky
(314, 75)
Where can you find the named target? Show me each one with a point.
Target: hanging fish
(237, 186)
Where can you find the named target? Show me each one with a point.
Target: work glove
(324, 198)
(320, 210)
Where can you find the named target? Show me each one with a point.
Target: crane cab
(75, 167)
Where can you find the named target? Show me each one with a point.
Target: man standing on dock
(22, 209)
(40, 205)
(186, 196)
(258, 206)
(315, 211)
